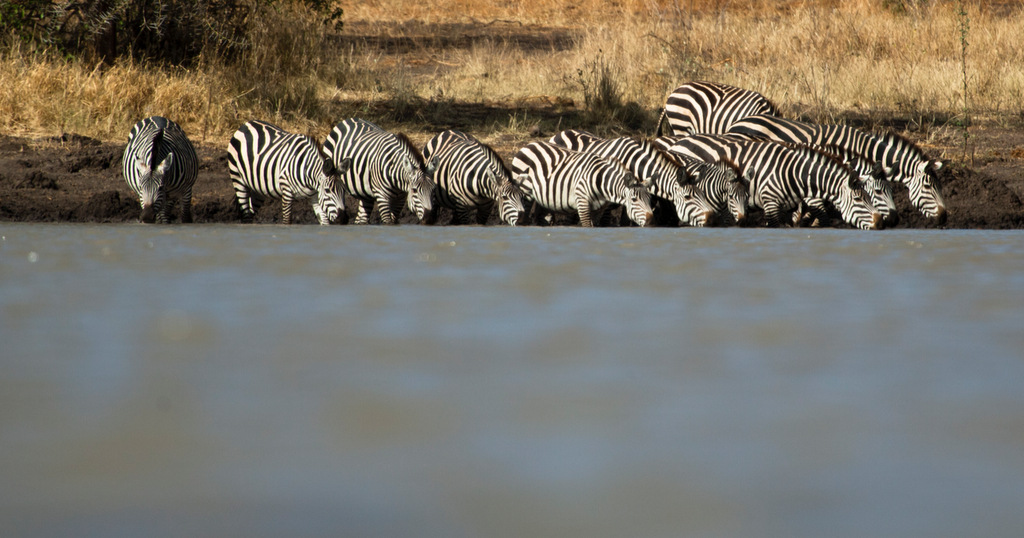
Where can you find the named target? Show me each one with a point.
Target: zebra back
(266, 160)
(471, 176)
(659, 173)
(711, 108)
(158, 161)
(903, 161)
(564, 181)
(385, 168)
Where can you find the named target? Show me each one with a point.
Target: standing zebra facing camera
(386, 168)
(268, 161)
(560, 180)
(665, 178)
(471, 177)
(159, 161)
(710, 108)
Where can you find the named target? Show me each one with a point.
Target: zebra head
(926, 190)
(737, 189)
(510, 200)
(421, 190)
(880, 190)
(329, 205)
(692, 206)
(151, 184)
(854, 204)
(635, 196)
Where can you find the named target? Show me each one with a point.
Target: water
(463, 382)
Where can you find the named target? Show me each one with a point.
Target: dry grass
(815, 59)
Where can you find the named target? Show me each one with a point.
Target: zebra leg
(583, 208)
(772, 214)
(538, 215)
(186, 205)
(286, 208)
(462, 215)
(385, 206)
(483, 213)
(363, 213)
(160, 206)
(242, 196)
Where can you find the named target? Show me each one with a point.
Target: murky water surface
(466, 382)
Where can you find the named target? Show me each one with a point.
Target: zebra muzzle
(148, 214)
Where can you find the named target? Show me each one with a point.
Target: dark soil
(78, 179)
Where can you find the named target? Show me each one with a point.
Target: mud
(77, 179)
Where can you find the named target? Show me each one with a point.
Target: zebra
(158, 161)
(902, 160)
(872, 175)
(722, 182)
(385, 168)
(667, 179)
(560, 180)
(268, 161)
(783, 178)
(710, 108)
(470, 176)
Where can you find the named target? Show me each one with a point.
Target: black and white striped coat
(710, 108)
(783, 178)
(267, 161)
(471, 177)
(159, 161)
(664, 177)
(901, 159)
(559, 180)
(722, 182)
(386, 169)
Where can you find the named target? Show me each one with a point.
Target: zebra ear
(142, 166)
(432, 167)
(166, 164)
(647, 184)
(936, 165)
(344, 165)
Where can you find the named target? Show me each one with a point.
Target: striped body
(722, 182)
(783, 178)
(471, 177)
(159, 161)
(267, 161)
(386, 169)
(662, 176)
(711, 108)
(560, 180)
(902, 161)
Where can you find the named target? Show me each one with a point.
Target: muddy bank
(77, 179)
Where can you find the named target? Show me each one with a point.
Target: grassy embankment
(817, 60)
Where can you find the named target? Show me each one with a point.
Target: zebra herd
(727, 151)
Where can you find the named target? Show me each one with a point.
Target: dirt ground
(77, 179)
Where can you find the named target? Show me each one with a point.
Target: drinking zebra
(560, 180)
(667, 180)
(386, 167)
(722, 182)
(159, 161)
(903, 161)
(268, 161)
(784, 178)
(470, 176)
(710, 108)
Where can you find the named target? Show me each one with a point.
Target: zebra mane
(404, 140)
(158, 140)
(900, 140)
